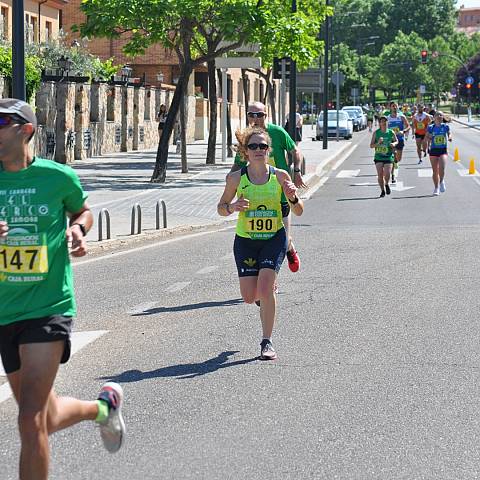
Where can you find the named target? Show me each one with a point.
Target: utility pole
(18, 50)
(325, 81)
(292, 119)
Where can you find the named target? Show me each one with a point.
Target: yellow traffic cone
(456, 156)
(471, 170)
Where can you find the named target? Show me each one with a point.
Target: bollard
(456, 155)
(471, 170)
(103, 212)
(136, 218)
(157, 214)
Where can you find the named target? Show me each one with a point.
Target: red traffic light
(468, 85)
(424, 54)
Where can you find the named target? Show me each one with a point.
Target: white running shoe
(113, 429)
(436, 192)
(442, 187)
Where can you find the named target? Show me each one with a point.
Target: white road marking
(177, 287)
(399, 187)
(464, 172)
(425, 172)
(79, 340)
(206, 270)
(365, 184)
(146, 247)
(348, 173)
(311, 191)
(141, 308)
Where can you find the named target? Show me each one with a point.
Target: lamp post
(18, 50)
(292, 123)
(325, 80)
(65, 64)
(160, 77)
(360, 48)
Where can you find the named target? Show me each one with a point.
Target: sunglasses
(7, 120)
(256, 114)
(255, 146)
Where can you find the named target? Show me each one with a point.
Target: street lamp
(65, 64)
(18, 50)
(126, 72)
(160, 77)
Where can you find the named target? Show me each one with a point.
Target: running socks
(103, 410)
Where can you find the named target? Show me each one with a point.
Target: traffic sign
(338, 77)
(277, 67)
(237, 62)
(435, 54)
(469, 80)
(422, 89)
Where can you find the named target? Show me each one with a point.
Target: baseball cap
(13, 106)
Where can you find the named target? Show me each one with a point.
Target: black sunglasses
(254, 146)
(256, 114)
(7, 120)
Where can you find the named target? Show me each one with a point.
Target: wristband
(295, 201)
(227, 206)
(296, 170)
(82, 228)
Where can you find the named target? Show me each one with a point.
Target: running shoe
(382, 194)
(257, 303)
(424, 153)
(387, 189)
(443, 188)
(436, 192)
(267, 352)
(112, 430)
(293, 260)
(420, 161)
(394, 180)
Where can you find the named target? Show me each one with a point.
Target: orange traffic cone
(456, 156)
(471, 170)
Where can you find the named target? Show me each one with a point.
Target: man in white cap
(36, 291)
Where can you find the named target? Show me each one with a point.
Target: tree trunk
(271, 99)
(183, 132)
(229, 123)
(246, 95)
(213, 102)
(160, 170)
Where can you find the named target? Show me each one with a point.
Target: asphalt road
(377, 336)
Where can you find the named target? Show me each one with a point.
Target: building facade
(43, 19)
(468, 20)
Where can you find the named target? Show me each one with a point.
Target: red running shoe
(293, 260)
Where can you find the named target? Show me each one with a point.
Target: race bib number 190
(23, 259)
(261, 224)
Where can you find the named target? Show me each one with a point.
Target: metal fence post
(136, 215)
(157, 214)
(103, 212)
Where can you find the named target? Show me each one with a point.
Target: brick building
(43, 19)
(468, 20)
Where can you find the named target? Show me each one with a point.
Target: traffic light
(468, 86)
(424, 56)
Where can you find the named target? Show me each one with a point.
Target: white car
(360, 114)
(345, 125)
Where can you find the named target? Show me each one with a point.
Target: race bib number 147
(23, 258)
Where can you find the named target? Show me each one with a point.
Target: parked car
(345, 125)
(356, 120)
(360, 114)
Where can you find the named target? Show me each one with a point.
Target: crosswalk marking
(79, 340)
(425, 172)
(348, 173)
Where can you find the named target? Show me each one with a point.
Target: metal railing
(103, 213)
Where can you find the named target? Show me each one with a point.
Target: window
(4, 24)
(28, 29)
(34, 28)
(48, 31)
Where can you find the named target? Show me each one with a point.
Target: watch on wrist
(296, 170)
(82, 228)
(294, 201)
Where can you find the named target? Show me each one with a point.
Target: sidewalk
(116, 182)
(463, 120)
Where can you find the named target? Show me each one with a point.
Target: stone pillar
(83, 132)
(46, 139)
(127, 118)
(138, 118)
(98, 116)
(65, 124)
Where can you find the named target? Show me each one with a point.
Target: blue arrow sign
(469, 80)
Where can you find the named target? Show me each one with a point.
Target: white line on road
(206, 270)
(79, 340)
(425, 172)
(311, 191)
(146, 247)
(141, 308)
(177, 287)
(348, 173)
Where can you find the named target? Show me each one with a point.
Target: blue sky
(469, 3)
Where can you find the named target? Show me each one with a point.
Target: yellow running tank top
(263, 219)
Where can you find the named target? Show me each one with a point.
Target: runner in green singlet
(261, 241)
(281, 144)
(36, 292)
(384, 142)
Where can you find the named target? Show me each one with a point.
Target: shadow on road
(193, 306)
(413, 196)
(182, 371)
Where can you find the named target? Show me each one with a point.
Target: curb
(475, 127)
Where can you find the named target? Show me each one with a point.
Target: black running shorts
(38, 330)
(437, 152)
(253, 255)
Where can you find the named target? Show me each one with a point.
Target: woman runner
(437, 135)
(260, 242)
(384, 142)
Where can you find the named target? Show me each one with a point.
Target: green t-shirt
(384, 152)
(281, 144)
(35, 272)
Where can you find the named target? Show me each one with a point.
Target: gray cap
(13, 106)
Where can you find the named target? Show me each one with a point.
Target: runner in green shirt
(281, 144)
(384, 142)
(36, 291)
